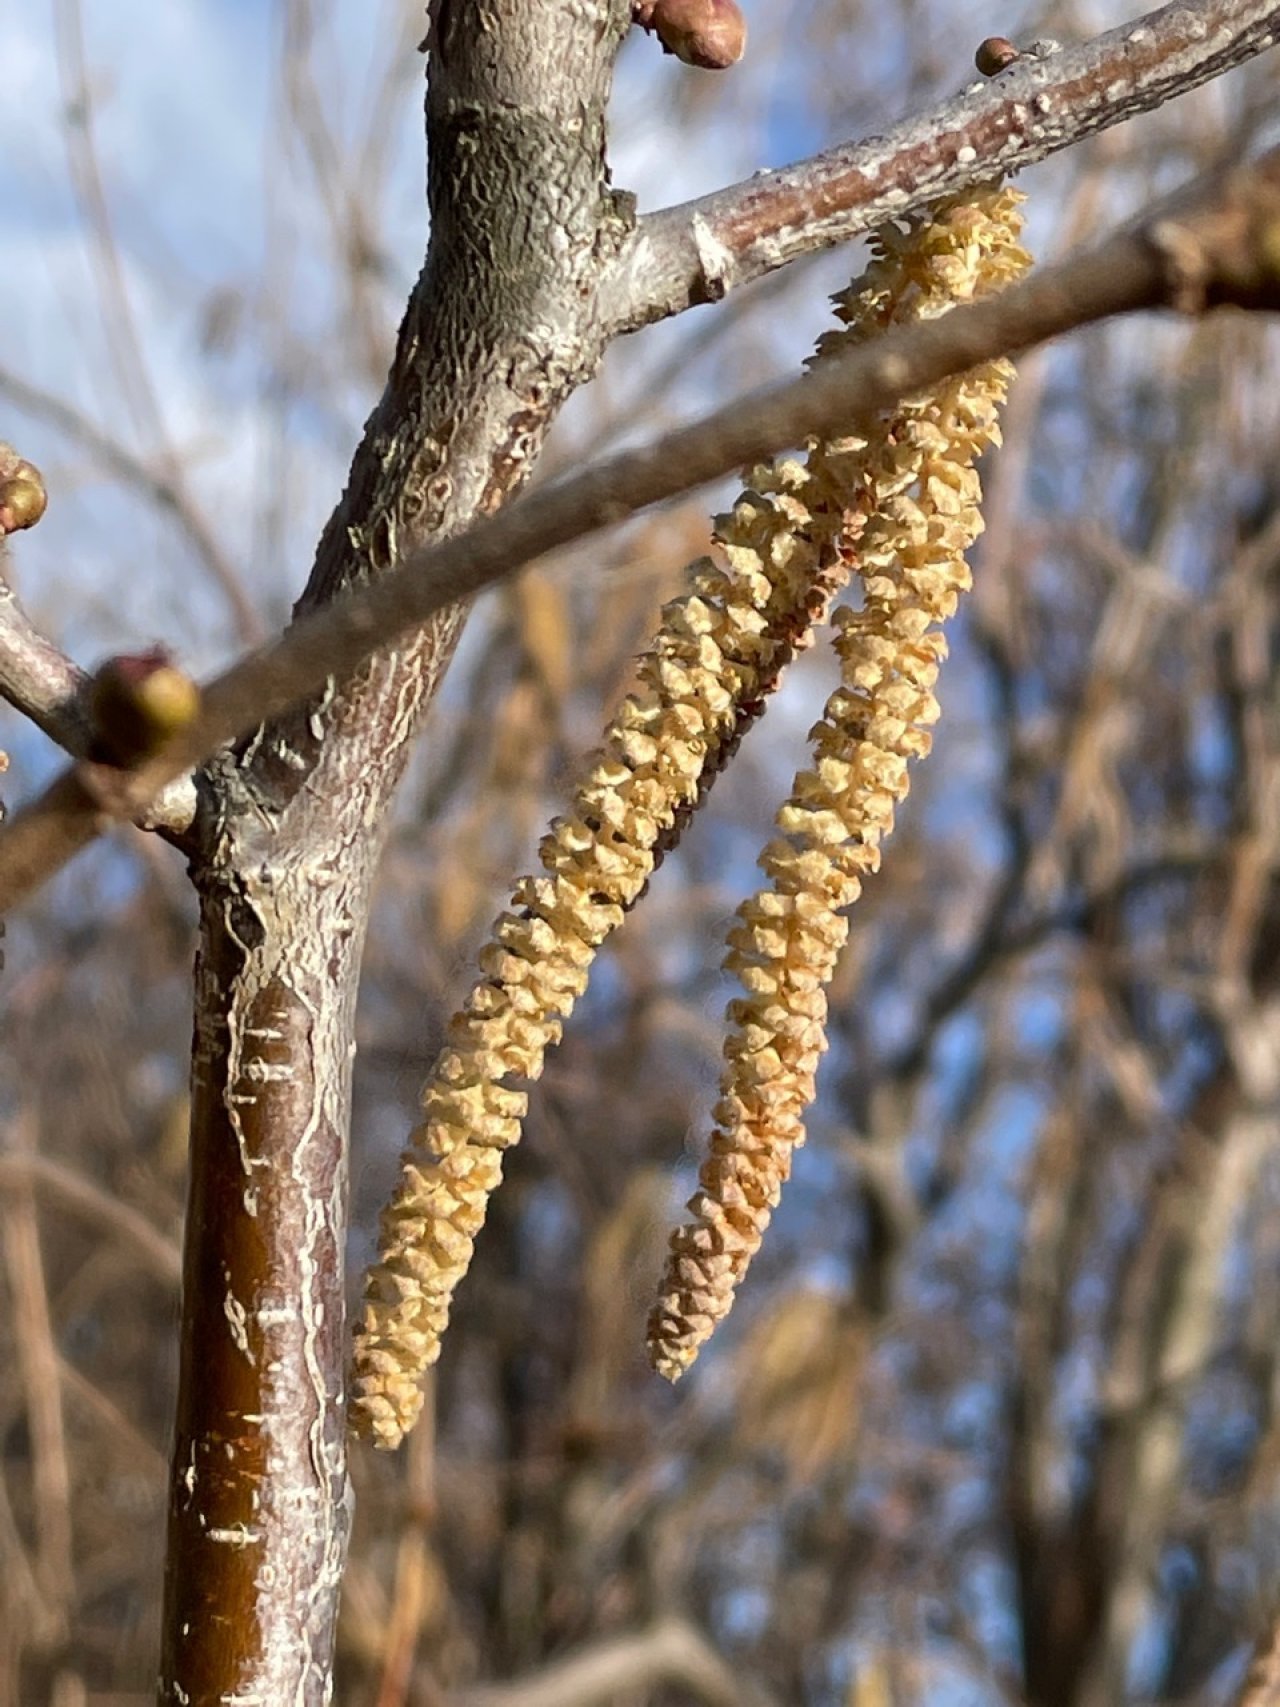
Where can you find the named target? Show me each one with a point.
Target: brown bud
(707, 33)
(23, 499)
(138, 701)
(994, 55)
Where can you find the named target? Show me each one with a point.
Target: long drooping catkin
(719, 650)
(921, 494)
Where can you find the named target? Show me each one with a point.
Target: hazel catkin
(922, 496)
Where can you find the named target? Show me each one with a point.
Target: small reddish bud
(711, 34)
(138, 702)
(994, 55)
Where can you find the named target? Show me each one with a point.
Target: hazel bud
(711, 34)
(23, 499)
(994, 55)
(138, 702)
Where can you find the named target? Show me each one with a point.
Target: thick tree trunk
(499, 331)
(258, 1504)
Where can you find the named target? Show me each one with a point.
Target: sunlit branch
(1046, 101)
(41, 682)
(1200, 250)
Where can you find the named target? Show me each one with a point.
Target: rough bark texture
(258, 1509)
(495, 337)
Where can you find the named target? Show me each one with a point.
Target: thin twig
(1193, 253)
(124, 340)
(160, 482)
(699, 251)
(1262, 1686)
(144, 1457)
(670, 1651)
(39, 680)
(21, 1170)
(38, 1363)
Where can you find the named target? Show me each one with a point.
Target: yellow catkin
(720, 648)
(922, 495)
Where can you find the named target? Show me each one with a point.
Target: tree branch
(699, 251)
(671, 1651)
(498, 331)
(1203, 248)
(39, 680)
(1262, 1686)
(79, 1195)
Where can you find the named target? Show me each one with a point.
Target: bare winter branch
(700, 251)
(1018, 1370)
(1191, 255)
(39, 680)
(669, 1652)
(1262, 1686)
(24, 1167)
(45, 685)
(160, 482)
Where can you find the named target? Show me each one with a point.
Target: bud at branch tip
(23, 499)
(711, 34)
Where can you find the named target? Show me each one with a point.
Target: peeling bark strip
(258, 1510)
(498, 331)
